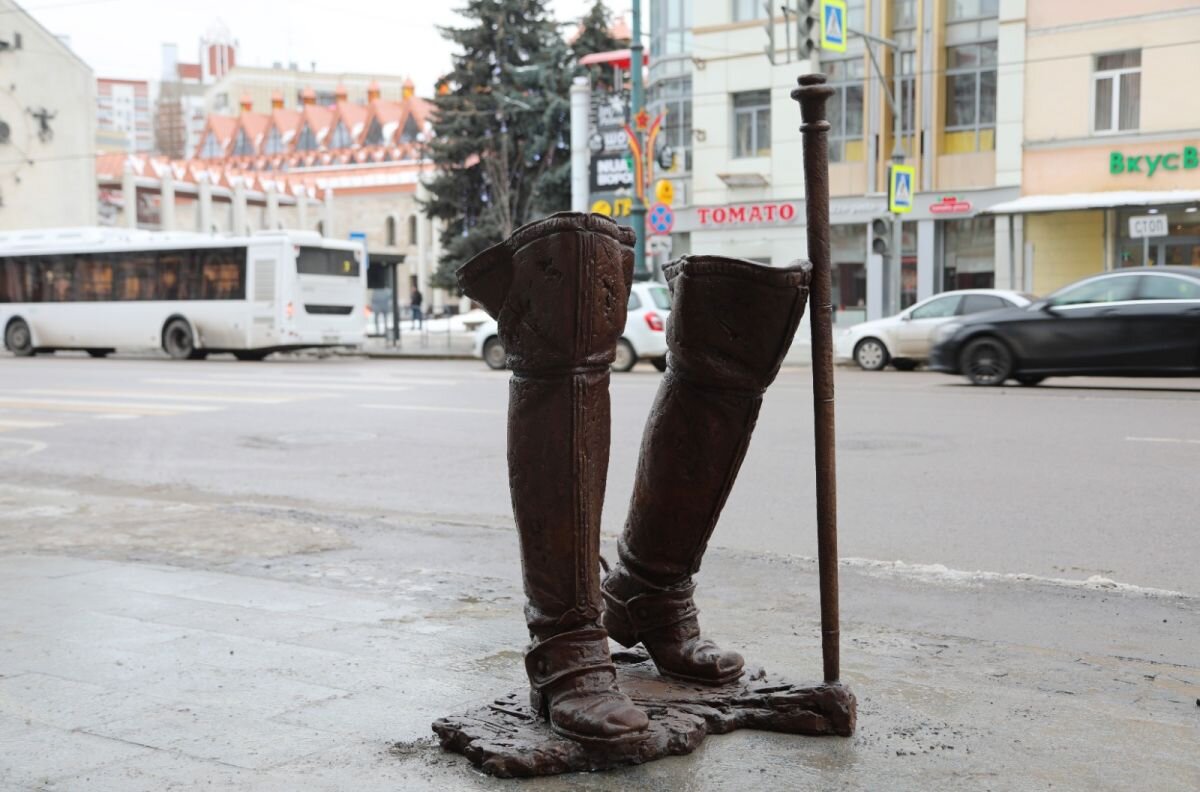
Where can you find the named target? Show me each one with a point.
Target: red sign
(950, 205)
(752, 213)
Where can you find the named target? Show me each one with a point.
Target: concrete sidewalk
(164, 640)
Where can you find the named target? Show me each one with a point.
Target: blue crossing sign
(901, 179)
(833, 25)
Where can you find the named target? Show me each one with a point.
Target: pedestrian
(414, 300)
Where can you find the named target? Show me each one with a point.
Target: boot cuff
(797, 274)
(570, 221)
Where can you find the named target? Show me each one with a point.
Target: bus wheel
(177, 339)
(251, 354)
(18, 338)
(99, 353)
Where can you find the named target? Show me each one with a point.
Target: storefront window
(1180, 248)
(969, 253)
(848, 250)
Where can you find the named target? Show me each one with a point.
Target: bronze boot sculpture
(731, 324)
(558, 289)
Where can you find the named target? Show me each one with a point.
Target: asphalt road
(1072, 479)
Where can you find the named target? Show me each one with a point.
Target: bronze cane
(812, 95)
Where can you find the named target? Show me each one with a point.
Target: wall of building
(58, 187)
(259, 84)
(1066, 246)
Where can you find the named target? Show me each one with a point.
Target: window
(971, 97)
(635, 302)
(752, 124)
(208, 274)
(904, 32)
(845, 109)
(412, 229)
(375, 133)
(1100, 290)
(1117, 91)
(937, 308)
(978, 303)
(661, 298)
(410, 131)
(319, 261)
(212, 147)
(242, 147)
(972, 29)
(390, 228)
(274, 142)
(670, 27)
(307, 141)
(745, 10)
(674, 97)
(1167, 287)
(968, 253)
(341, 137)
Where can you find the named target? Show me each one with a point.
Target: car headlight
(946, 331)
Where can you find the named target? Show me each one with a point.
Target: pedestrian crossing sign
(833, 25)
(901, 179)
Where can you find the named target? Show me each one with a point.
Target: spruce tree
(501, 130)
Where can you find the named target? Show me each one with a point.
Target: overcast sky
(123, 38)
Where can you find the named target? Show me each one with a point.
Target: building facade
(1111, 131)
(124, 119)
(1037, 129)
(47, 127)
(224, 94)
(346, 169)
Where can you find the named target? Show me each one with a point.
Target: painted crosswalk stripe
(430, 408)
(64, 405)
(164, 396)
(10, 424)
(317, 379)
(279, 385)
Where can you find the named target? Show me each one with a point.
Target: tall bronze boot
(559, 289)
(731, 324)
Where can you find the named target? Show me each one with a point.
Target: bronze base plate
(507, 738)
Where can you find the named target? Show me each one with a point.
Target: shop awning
(1032, 204)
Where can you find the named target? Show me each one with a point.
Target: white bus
(100, 290)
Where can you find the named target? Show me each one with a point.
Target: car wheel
(1029, 380)
(625, 358)
(494, 354)
(178, 341)
(18, 338)
(99, 353)
(251, 355)
(904, 364)
(659, 363)
(987, 361)
(871, 355)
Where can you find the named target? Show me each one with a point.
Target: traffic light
(808, 30)
(881, 236)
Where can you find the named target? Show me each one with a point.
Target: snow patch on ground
(940, 573)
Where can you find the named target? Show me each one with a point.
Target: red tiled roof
(189, 71)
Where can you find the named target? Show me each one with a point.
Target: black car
(1142, 321)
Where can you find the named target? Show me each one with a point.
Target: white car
(645, 336)
(904, 340)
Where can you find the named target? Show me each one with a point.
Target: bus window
(138, 279)
(17, 279)
(56, 278)
(93, 278)
(223, 274)
(319, 261)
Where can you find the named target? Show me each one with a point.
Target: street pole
(581, 98)
(638, 211)
(892, 264)
(895, 273)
